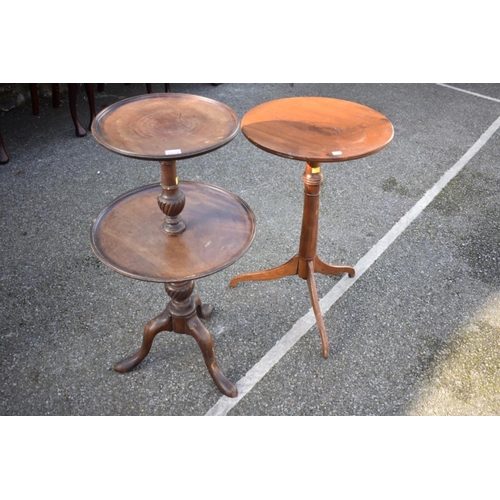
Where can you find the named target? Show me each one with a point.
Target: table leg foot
(197, 330)
(311, 283)
(287, 269)
(203, 310)
(182, 315)
(324, 268)
(161, 323)
(73, 95)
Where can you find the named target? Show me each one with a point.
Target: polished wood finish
(165, 126)
(316, 130)
(171, 200)
(128, 235)
(142, 235)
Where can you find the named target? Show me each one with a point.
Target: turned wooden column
(171, 200)
(312, 178)
(315, 130)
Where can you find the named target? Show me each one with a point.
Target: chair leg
(55, 95)
(73, 94)
(89, 89)
(3, 154)
(34, 99)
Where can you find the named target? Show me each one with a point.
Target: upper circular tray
(319, 129)
(165, 126)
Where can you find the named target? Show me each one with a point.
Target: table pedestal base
(306, 262)
(182, 315)
(305, 269)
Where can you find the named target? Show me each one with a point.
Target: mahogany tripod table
(172, 232)
(315, 130)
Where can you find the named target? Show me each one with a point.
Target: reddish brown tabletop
(317, 129)
(165, 126)
(128, 235)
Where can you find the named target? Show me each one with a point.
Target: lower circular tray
(128, 234)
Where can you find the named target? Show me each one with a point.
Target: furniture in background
(149, 87)
(73, 96)
(4, 158)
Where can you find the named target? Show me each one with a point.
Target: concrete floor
(417, 333)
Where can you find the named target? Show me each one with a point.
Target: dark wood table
(172, 232)
(315, 130)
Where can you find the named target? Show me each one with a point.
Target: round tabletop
(165, 126)
(317, 129)
(128, 235)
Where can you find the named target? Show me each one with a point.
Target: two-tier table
(315, 130)
(172, 232)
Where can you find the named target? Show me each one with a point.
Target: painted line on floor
(304, 324)
(469, 92)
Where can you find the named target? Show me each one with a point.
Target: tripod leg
(159, 324)
(324, 268)
(287, 269)
(311, 283)
(196, 329)
(203, 310)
